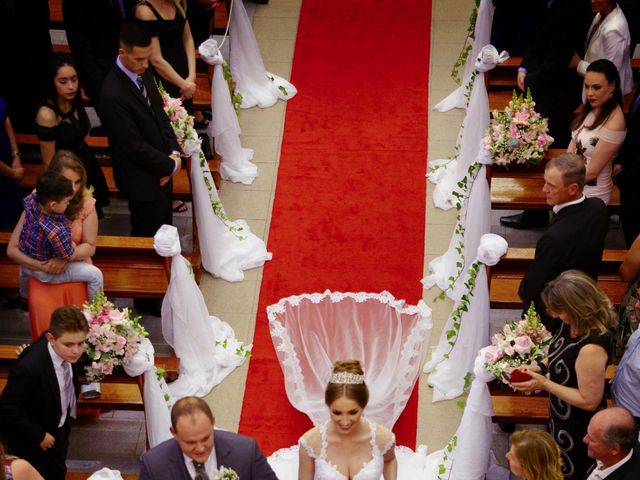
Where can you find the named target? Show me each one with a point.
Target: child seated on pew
(46, 234)
(40, 395)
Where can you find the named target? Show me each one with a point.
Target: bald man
(612, 441)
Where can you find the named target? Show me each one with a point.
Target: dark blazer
(141, 138)
(629, 178)
(234, 451)
(30, 403)
(574, 240)
(92, 31)
(555, 87)
(628, 471)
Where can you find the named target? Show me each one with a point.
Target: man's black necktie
(201, 473)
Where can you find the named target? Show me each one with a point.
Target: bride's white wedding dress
(312, 331)
(326, 470)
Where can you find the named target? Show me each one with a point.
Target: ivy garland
(236, 97)
(216, 205)
(466, 46)
(445, 466)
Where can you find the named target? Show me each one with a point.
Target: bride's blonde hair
(354, 391)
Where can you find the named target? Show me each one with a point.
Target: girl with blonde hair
(534, 455)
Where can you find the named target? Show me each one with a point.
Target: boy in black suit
(40, 395)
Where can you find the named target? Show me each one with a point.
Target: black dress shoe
(149, 306)
(526, 219)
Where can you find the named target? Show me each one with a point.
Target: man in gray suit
(197, 451)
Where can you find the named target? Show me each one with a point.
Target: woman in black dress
(173, 54)
(62, 124)
(578, 358)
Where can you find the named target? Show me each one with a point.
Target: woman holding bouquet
(578, 357)
(599, 129)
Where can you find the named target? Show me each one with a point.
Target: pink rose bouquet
(517, 134)
(181, 122)
(113, 339)
(525, 342)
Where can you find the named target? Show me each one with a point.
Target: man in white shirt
(612, 441)
(197, 451)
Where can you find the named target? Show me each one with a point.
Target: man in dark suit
(198, 451)
(612, 441)
(555, 87)
(92, 32)
(144, 149)
(627, 174)
(575, 238)
(40, 395)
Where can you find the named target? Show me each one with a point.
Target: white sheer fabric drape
(257, 86)
(456, 99)
(470, 458)
(311, 331)
(188, 327)
(448, 366)
(156, 407)
(236, 163)
(225, 254)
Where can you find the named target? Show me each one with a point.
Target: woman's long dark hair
(56, 62)
(610, 72)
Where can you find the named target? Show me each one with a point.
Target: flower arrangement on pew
(190, 143)
(518, 134)
(114, 336)
(524, 342)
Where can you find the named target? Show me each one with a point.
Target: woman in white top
(599, 129)
(348, 446)
(608, 38)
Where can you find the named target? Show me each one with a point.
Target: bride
(348, 445)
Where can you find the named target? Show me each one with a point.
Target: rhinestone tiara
(346, 378)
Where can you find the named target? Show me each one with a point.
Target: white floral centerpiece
(520, 343)
(518, 134)
(225, 473)
(113, 340)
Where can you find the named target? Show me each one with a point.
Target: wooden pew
(513, 407)
(505, 277)
(130, 266)
(517, 193)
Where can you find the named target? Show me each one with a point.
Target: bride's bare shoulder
(384, 438)
(312, 442)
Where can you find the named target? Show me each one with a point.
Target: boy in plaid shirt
(46, 234)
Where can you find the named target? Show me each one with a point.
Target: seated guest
(198, 451)
(608, 38)
(13, 468)
(612, 441)
(534, 455)
(40, 395)
(46, 234)
(62, 123)
(81, 213)
(578, 357)
(625, 386)
(599, 129)
(563, 246)
(11, 170)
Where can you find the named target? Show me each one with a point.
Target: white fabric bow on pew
(236, 163)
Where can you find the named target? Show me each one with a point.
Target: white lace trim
(410, 350)
(390, 443)
(304, 445)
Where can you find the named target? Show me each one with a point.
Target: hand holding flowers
(521, 345)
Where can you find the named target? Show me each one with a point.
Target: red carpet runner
(350, 201)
